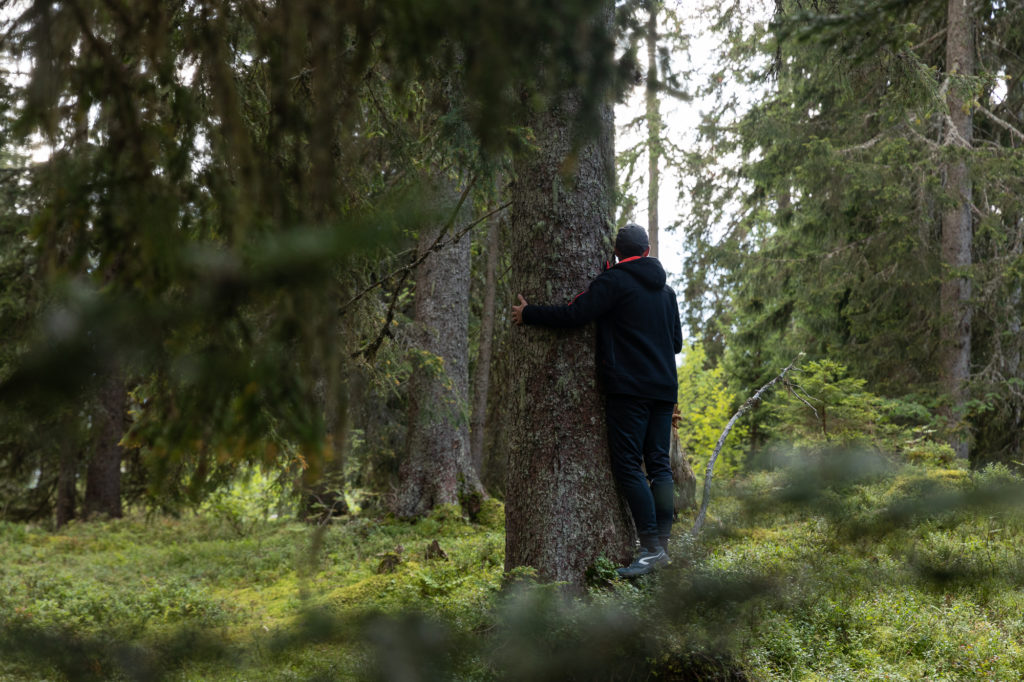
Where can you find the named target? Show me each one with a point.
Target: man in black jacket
(638, 336)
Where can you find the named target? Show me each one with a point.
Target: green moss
(492, 514)
(780, 591)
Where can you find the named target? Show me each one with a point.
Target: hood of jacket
(648, 271)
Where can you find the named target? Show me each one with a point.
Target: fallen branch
(698, 525)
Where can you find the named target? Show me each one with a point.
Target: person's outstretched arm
(590, 305)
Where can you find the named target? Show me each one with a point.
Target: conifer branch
(921, 138)
(753, 400)
(953, 135)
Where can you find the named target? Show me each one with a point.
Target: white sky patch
(681, 121)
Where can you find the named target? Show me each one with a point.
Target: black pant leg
(627, 419)
(657, 443)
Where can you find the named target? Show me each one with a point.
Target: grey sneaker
(644, 564)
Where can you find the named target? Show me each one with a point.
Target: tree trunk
(437, 468)
(496, 446)
(323, 482)
(653, 126)
(1013, 368)
(682, 473)
(481, 379)
(957, 228)
(562, 510)
(67, 477)
(103, 475)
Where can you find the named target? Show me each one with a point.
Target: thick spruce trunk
(103, 475)
(562, 510)
(437, 468)
(481, 378)
(957, 227)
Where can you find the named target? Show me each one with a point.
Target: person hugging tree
(638, 336)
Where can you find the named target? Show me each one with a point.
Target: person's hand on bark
(517, 310)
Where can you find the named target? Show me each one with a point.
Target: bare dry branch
(924, 42)
(1000, 122)
(698, 524)
(437, 245)
(795, 390)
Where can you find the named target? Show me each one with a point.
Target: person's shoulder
(609, 276)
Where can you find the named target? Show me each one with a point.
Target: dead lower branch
(753, 400)
(437, 245)
(1001, 123)
(370, 350)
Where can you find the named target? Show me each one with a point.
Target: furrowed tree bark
(957, 228)
(481, 379)
(103, 474)
(562, 510)
(437, 468)
(653, 126)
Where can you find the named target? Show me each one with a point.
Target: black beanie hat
(632, 240)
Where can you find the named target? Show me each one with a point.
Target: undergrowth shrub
(252, 498)
(836, 569)
(706, 405)
(824, 408)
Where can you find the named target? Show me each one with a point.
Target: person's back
(641, 335)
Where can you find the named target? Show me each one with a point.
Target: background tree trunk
(957, 228)
(481, 379)
(103, 475)
(653, 126)
(323, 486)
(67, 477)
(562, 510)
(437, 468)
(682, 473)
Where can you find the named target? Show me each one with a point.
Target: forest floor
(909, 573)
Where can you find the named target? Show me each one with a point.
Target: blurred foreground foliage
(834, 565)
(222, 213)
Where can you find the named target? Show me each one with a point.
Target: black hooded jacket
(638, 330)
